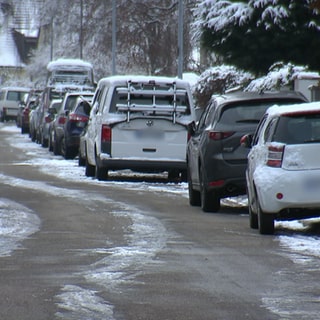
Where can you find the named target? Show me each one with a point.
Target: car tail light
(77, 118)
(220, 135)
(48, 119)
(62, 120)
(105, 133)
(217, 183)
(275, 154)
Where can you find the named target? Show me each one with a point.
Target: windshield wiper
(248, 121)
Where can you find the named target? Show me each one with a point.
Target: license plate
(311, 184)
(149, 134)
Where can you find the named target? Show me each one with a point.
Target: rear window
(15, 95)
(298, 129)
(248, 112)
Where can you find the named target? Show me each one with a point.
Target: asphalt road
(104, 251)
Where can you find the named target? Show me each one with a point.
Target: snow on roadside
(16, 222)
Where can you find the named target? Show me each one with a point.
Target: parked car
(76, 121)
(216, 160)
(10, 97)
(47, 117)
(56, 129)
(139, 123)
(34, 116)
(21, 105)
(283, 174)
(31, 104)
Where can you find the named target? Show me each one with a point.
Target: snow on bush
(280, 75)
(216, 80)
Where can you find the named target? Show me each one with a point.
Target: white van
(10, 97)
(76, 72)
(139, 123)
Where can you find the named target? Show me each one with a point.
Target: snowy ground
(18, 222)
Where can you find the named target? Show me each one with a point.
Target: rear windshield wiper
(248, 121)
(312, 141)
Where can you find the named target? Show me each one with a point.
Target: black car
(76, 121)
(216, 160)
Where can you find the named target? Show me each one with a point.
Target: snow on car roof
(16, 88)
(123, 79)
(68, 63)
(294, 108)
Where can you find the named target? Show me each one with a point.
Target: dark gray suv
(216, 160)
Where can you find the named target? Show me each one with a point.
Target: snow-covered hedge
(217, 80)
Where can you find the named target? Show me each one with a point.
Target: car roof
(251, 96)
(294, 108)
(123, 80)
(15, 89)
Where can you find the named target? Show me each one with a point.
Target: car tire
(81, 161)
(265, 221)
(90, 169)
(210, 202)
(194, 195)
(253, 217)
(101, 173)
(50, 147)
(33, 135)
(44, 142)
(67, 152)
(56, 146)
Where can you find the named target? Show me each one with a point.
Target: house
(19, 33)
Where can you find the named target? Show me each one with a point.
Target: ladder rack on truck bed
(172, 93)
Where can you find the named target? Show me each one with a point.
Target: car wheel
(210, 202)
(194, 195)
(33, 135)
(50, 143)
(67, 152)
(56, 146)
(101, 173)
(44, 142)
(253, 217)
(90, 170)
(265, 221)
(81, 161)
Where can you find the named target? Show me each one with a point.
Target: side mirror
(52, 110)
(246, 140)
(191, 128)
(86, 107)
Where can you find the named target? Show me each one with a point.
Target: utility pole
(114, 38)
(51, 40)
(180, 40)
(81, 29)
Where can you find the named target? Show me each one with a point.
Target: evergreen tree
(254, 34)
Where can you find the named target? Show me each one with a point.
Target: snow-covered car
(10, 97)
(139, 123)
(216, 160)
(283, 173)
